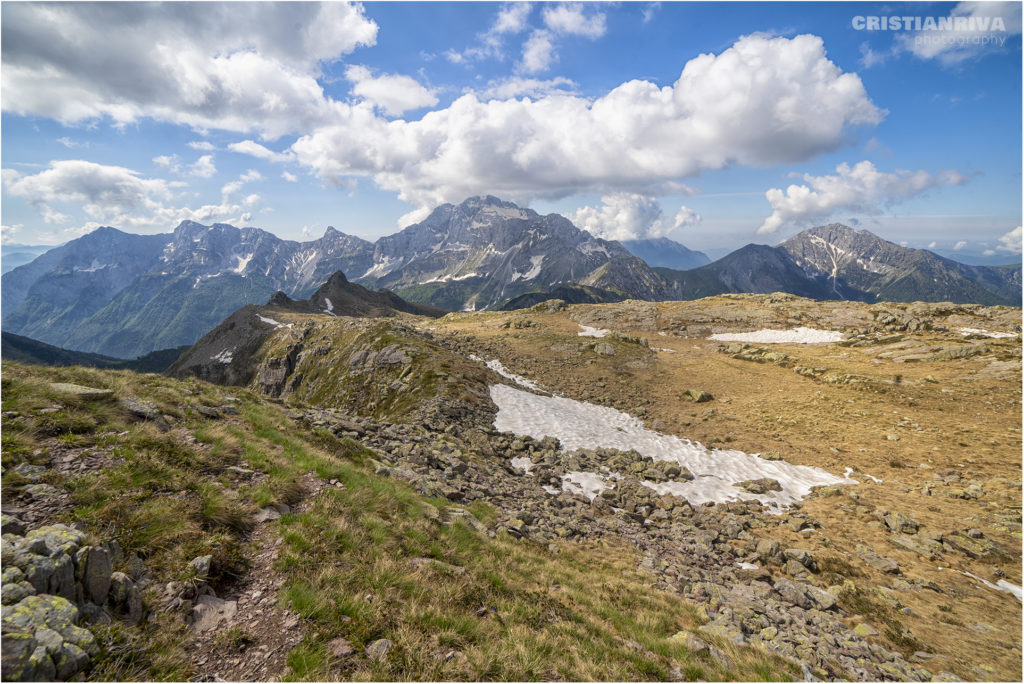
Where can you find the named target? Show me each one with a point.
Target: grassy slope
(566, 613)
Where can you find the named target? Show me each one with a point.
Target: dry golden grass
(960, 414)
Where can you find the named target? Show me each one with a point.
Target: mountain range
(125, 295)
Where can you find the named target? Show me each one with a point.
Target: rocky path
(247, 635)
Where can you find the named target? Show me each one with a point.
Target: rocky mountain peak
(337, 279)
(189, 229)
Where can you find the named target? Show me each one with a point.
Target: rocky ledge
(53, 582)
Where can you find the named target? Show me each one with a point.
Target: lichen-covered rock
(16, 591)
(140, 408)
(30, 472)
(793, 593)
(200, 567)
(124, 598)
(96, 574)
(17, 658)
(929, 548)
(11, 525)
(42, 642)
(41, 490)
(378, 650)
(57, 538)
(979, 548)
(760, 486)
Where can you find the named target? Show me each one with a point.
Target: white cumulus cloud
(8, 233)
(762, 101)
(110, 195)
(105, 193)
(234, 186)
(254, 149)
(631, 216)
(233, 66)
(203, 167)
(511, 19)
(570, 19)
(860, 188)
(1011, 242)
(538, 52)
(393, 93)
(566, 19)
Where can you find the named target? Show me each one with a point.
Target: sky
(716, 124)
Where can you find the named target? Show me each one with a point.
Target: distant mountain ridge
(665, 253)
(860, 265)
(125, 295)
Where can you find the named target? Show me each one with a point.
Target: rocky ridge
(750, 592)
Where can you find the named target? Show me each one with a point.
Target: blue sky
(716, 124)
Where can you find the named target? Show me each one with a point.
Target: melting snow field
(496, 366)
(985, 333)
(579, 425)
(794, 336)
(587, 331)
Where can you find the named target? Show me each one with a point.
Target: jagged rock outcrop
(52, 581)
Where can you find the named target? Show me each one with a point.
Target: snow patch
(985, 333)
(495, 365)
(587, 331)
(794, 336)
(242, 263)
(330, 307)
(449, 278)
(272, 322)
(224, 356)
(93, 267)
(535, 271)
(1001, 585)
(579, 425)
(591, 247)
(587, 484)
(386, 265)
(524, 463)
